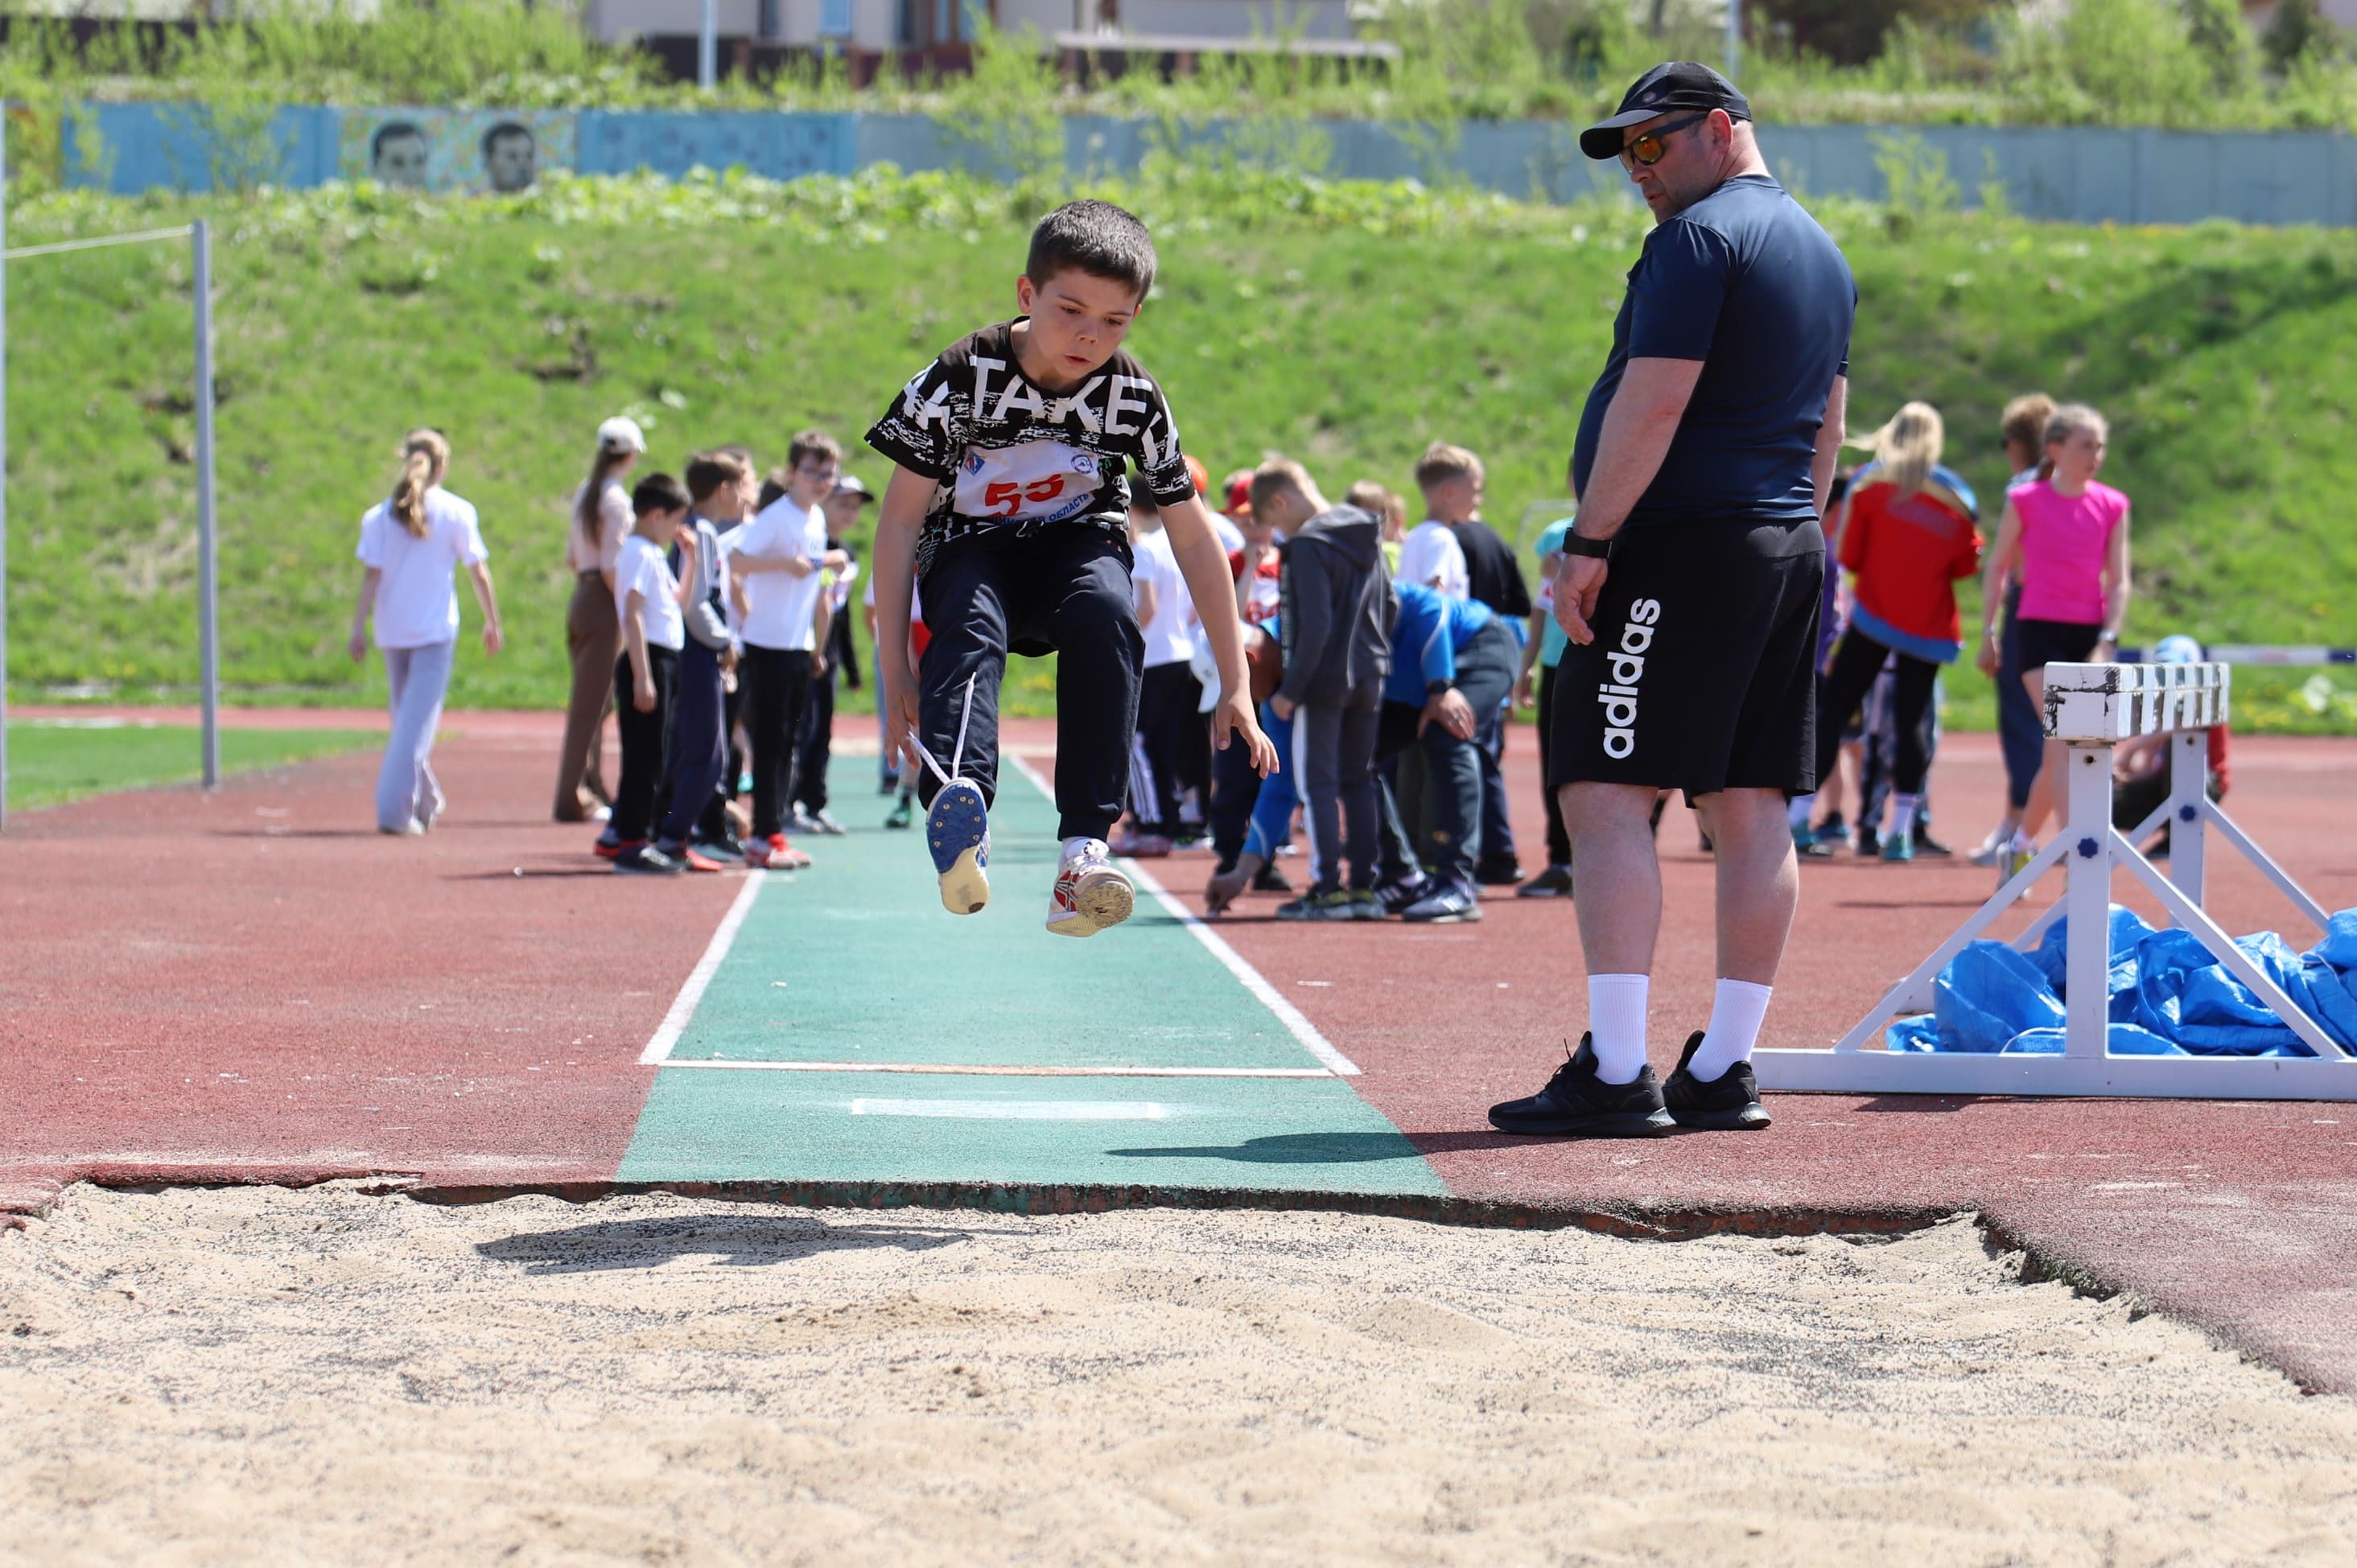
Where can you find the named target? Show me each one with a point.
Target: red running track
(257, 987)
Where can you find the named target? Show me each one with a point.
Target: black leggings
(1858, 661)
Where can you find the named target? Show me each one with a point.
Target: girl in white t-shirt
(599, 521)
(409, 544)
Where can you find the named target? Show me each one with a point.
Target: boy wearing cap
(1689, 592)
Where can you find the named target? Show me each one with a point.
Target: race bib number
(1038, 480)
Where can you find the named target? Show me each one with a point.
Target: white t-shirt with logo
(782, 609)
(643, 565)
(416, 600)
(1431, 555)
(1170, 636)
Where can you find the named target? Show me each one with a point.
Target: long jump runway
(844, 1028)
(254, 986)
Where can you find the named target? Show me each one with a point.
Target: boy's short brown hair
(1377, 502)
(658, 492)
(1095, 237)
(710, 471)
(1274, 476)
(811, 444)
(2024, 422)
(1441, 462)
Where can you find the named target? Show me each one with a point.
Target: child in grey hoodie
(1334, 613)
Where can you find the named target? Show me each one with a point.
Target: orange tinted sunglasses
(1648, 149)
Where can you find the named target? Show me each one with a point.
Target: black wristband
(1580, 545)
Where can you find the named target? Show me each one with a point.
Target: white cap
(622, 431)
(2177, 648)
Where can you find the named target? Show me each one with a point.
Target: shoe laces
(957, 758)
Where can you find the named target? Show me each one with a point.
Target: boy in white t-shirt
(1170, 730)
(651, 601)
(777, 561)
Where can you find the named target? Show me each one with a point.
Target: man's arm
(1638, 429)
(1830, 436)
(1204, 565)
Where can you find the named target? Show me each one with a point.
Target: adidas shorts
(1702, 676)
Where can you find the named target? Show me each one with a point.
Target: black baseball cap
(1665, 89)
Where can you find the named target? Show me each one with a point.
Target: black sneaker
(1728, 1103)
(1575, 1103)
(1554, 882)
(1868, 845)
(1503, 870)
(1925, 844)
(1269, 879)
(1395, 897)
(646, 860)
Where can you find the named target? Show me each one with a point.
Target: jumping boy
(1009, 503)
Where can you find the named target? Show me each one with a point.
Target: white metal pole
(1734, 37)
(207, 544)
(4, 483)
(2087, 901)
(707, 45)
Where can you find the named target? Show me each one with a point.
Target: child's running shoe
(1554, 882)
(607, 846)
(1397, 896)
(957, 831)
(646, 860)
(1141, 846)
(1090, 892)
(774, 853)
(1364, 905)
(1447, 905)
(1899, 847)
(1320, 904)
(688, 857)
(901, 812)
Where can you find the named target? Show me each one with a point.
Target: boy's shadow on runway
(745, 1242)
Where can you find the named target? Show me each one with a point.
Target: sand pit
(258, 1375)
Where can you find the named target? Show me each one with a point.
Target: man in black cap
(1689, 590)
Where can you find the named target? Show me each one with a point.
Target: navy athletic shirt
(1745, 281)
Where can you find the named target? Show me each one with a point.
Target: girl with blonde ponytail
(409, 543)
(1907, 530)
(599, 520)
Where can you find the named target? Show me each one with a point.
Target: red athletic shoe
(774, 853)
(694, 862)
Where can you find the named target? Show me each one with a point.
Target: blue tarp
(2169, 996)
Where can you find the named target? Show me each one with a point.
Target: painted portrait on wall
(493, 150)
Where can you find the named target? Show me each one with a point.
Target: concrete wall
(2080, 175)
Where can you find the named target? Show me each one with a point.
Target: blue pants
(1490, 742)
(405, 789)
(1272, 816)
(698, 754)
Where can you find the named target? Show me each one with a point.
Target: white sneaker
(1090, 892)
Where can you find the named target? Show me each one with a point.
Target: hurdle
(2092, 708)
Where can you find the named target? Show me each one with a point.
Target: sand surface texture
(258, 1375)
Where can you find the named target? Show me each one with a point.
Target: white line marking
(1018, 1110)
(683, 1006)
(1292, 1017)
(951, 1069)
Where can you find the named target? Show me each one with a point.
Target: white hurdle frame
(2092, 708)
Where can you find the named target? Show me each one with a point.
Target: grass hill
(1347, 327)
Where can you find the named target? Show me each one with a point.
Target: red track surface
(258, 986)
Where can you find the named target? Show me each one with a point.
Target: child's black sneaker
(1397, 896)
(1728, 1103)
(646, 860)
(1554, 882)
(1575, 1103)
(1318, 904)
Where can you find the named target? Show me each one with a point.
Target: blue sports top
(1745, 281)
(1426, 639)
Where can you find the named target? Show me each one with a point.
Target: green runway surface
(54, 760)
(856, 962)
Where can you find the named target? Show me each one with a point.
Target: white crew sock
(1735, 1015)
(1076, 847)
(1902, 816)
(2021, 843)
(1798, 811)
(1616, 1020)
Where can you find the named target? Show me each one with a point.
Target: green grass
(49, 762)
(1347, 328)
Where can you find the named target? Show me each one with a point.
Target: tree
(2217, 32)
(2298, 28)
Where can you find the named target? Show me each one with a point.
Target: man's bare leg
(1758, 889)
(1619, 908)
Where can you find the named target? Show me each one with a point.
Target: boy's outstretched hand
(1233, 718)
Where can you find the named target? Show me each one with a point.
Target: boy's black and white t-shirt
(1008, 454)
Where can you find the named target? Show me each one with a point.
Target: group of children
(728, 593)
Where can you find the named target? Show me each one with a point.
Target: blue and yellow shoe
(957, 830)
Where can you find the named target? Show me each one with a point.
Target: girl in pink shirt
(2070, 536)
